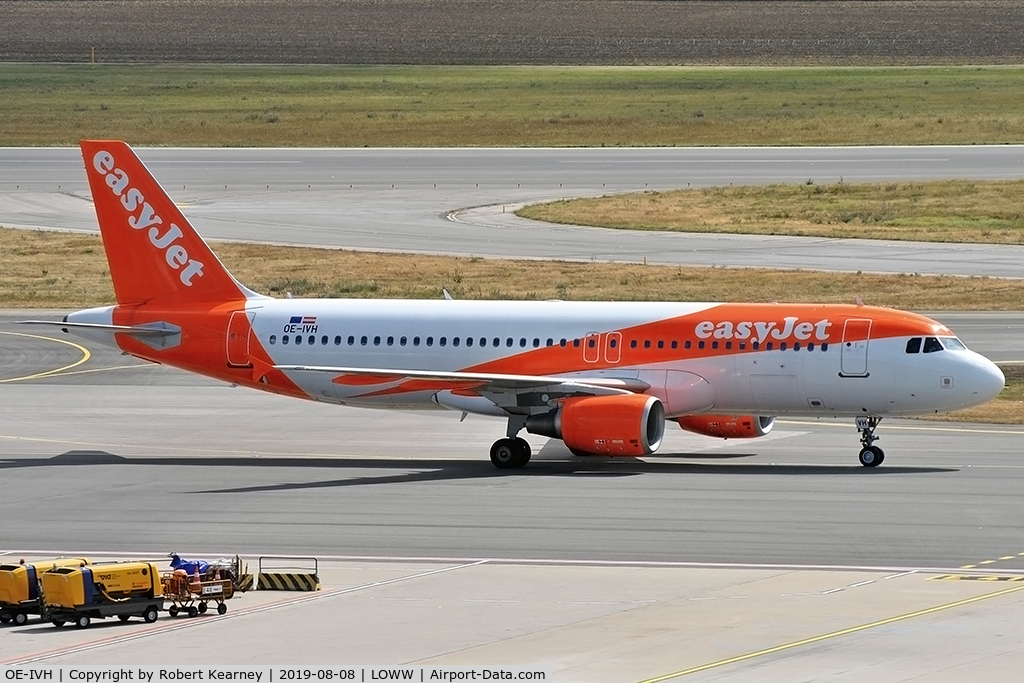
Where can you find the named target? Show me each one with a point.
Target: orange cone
(195, 575)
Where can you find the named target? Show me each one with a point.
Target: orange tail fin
(155, 255)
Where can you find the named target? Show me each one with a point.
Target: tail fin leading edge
(154, 254)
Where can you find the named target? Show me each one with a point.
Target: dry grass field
(514, 31)
(508, 106)
(936, 211)
(44, 269)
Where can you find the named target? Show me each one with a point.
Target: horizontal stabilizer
(160, 329)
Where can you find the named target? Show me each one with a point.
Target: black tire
(58, 623)
(6, 617)
(203, 607)
(193, 611)
(222, 608)
(173, 610)
(20, 619)
(83, 621)
(872, 456)
(523, 447)
(150, 615)
(124, 617)
(507, 455)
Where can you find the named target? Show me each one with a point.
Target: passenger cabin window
(931, 345)
(914, 345)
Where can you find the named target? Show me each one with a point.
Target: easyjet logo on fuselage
(142, 216)
(760, 331)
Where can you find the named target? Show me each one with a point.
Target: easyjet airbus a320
(603, 377)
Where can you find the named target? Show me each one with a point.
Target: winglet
(153, 252)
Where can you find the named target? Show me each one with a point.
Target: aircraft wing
(511, 392)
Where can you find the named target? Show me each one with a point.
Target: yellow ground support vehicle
(81, 594)
(19, 587)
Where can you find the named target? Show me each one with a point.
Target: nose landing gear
(870, 456)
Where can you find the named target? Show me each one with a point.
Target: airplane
(604, 377)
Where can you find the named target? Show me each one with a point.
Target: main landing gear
(510, 453)
(870, 456)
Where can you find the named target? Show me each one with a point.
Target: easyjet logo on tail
(143, 217)
(763, 330)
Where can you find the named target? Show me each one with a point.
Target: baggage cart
(192, 595)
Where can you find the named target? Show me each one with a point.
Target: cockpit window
(953, 344)
(914, 345)
(931, 345)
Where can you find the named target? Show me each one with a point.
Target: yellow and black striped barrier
(288, 581)
(244, 583)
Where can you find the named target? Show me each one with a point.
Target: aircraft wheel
(523, 449)
(83, 621)
(150, 615)
(872, 456)
(507, 454)
(20, 619)
(222, 608)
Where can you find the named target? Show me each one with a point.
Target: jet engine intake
(727, 426)
(632, 425)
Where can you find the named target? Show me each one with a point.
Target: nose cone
(987, 379)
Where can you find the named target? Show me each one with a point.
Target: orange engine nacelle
(632, 425)
(727, 426)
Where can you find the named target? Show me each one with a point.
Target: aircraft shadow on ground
(415, 471)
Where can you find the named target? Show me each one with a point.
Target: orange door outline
(592, 347)
(613, 347)
(239, 329)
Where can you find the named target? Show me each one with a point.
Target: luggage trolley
(192, 595)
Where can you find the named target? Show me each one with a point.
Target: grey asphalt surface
(301, 477)
(405, 199)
